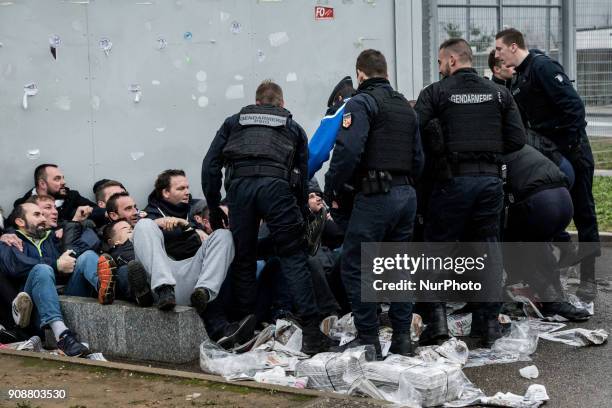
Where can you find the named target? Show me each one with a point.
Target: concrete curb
(604, 237)
(188, 375)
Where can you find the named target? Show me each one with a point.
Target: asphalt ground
(573, 377)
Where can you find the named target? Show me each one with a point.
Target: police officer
(500, 73)
(378, 151)
(540, 207)
(265, 155)
(479, 122)
(552, 107)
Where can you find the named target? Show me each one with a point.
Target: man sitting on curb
(34, 271)
(183, 265)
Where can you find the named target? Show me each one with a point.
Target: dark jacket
(214, 161)
(548, 100)
(122, 254)
(529, 172)
(351, 141)
(72, 201)
(16, 265)
(432, 101)
(180, 243)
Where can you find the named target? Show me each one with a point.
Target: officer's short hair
(164, 180)
(460, 47)
(269, 93)
(494, 62)
(511, 36)
(99, 191)
(372, 63)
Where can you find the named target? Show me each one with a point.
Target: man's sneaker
(70, 346)
(587, 291)
(22, 309)
(199, 300)
(7, 336)
(565, 309)
(166, 300)
(237, 333)
(139, 284)
(106, 279)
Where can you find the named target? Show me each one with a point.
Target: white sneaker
(22, 309)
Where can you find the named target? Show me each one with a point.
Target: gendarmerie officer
(378, 151)
(479, 122)
(265, 154)
(539, 208)
(553, 108)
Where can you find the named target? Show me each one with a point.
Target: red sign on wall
(324, 13)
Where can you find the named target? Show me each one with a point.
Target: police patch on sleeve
(347, 120)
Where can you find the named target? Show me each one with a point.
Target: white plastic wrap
(521, 340)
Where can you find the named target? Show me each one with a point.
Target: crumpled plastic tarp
(578, 337)
(535, 396)
(522, 340)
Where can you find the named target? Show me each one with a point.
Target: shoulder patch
(347, 120)
(559, 78)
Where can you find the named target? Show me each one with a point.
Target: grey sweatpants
(206, 269)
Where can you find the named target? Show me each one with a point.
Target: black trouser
(468, 208)
(250, 200)
(7, 294)
(535, 221)
(585, 217)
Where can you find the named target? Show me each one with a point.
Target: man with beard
(71, 206)
(183, 265)
(36, 269)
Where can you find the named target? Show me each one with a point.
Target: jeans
(40, 285)
(377, 218)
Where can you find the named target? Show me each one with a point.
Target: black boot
(492, 332)
(139, 284)
(565, 309)
(478, 325)
(437, 326)
(362, 340)
(166, 300)
(313, 340)
(401, 343)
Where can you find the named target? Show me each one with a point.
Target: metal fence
(541, 22)
(479, 20)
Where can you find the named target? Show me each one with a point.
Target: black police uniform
(553, 108)
(479, 122)
(378, 151)
(266, 156)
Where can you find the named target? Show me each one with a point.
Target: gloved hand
(218, 219)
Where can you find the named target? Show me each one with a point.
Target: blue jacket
(16, 265)
(323, 140)
(351, 142)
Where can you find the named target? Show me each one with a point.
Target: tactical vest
(392, 134)
(537, 108)
(261, 137)
(471, 115)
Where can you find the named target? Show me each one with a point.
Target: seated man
(104, 189)
(35, 270)
(132, 279)
(121, 206)
(184, 267)
(49, 180)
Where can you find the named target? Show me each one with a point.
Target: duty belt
(476, 168)
(260, 171)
